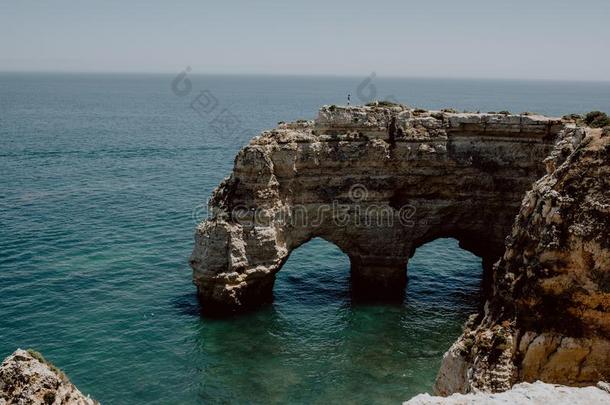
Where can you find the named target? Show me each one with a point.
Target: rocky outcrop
(378, 182)
(537, 393)
(27, 378)
(548, 316)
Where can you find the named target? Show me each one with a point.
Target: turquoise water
(101, 178)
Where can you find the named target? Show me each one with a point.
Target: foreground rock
(378, 182)
(27, 378)
(537, 393)
(549, 314)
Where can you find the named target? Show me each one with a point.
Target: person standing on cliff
(348, 98)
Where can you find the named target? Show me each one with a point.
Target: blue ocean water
(102, 180)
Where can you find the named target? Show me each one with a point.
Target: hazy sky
(497, 39)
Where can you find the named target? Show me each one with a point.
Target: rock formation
(378, 182)
(537, 393)
(27, 378)
(548, 316)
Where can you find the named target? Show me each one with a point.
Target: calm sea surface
(102, 179)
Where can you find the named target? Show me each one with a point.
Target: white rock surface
(525, 394)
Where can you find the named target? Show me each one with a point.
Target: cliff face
(26, 378)
(549, 314)
(378, 182)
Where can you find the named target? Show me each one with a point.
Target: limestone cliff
(549, 314)
(378, 182)
(27, 378)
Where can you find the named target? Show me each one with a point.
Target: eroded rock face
(378, 183)
(548, 317)
(537, 393)
(26, 378)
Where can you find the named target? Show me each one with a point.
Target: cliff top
(402, 123)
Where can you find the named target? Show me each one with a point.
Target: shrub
(504, 112)
(37, 355)
(597, 119)
(41, 359)
(449, 110)
(468, 344)
(332, 108)
(49, 398)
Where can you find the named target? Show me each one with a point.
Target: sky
(556, 40)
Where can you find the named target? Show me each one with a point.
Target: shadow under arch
(485, 250)
(442, 272)
(317, 271)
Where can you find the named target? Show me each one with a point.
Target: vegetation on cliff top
(597, 119)
(593, 119)
(38, 356)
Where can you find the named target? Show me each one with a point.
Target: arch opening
(483, 248)
(314, 273)
(444, 275)
(319, 272)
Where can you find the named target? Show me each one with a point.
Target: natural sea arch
(376, 182)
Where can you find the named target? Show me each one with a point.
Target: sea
(103, 180)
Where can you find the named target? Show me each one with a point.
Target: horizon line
(312, 75)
